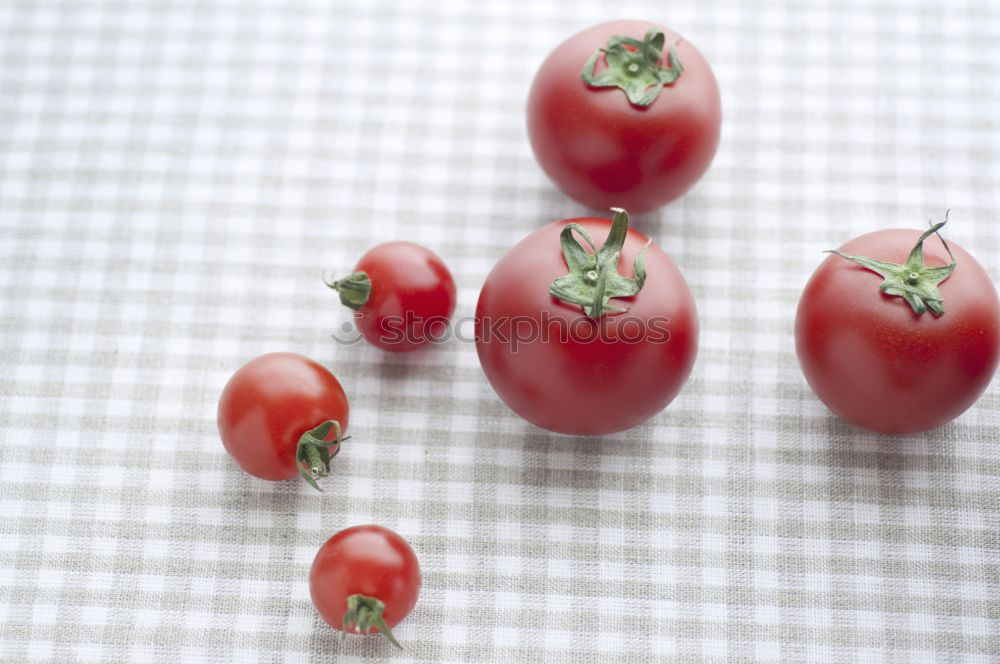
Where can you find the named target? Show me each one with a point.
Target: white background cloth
(174, 176)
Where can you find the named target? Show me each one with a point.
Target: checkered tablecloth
(175, 177)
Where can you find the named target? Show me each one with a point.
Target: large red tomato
(893, 344)
(282, 414)
(639, 145)
(555, 362)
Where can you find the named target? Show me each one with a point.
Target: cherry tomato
(365, 579)
(560, 364)
(402, 295)
(615, 141)
(899, 343)
(282, 414)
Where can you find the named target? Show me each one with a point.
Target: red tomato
(275, 415)
(604, 150)
(365, 579)
(402, 295)
(567, 371)
(876, 362)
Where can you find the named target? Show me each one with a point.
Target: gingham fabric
(176, 176)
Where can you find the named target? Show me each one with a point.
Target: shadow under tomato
(243, 491)
(572, 462)
(880, 468)
(555, 205)
(333, 642)
(403, 366)
(534, 436)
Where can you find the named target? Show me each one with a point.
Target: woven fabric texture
(175, 177)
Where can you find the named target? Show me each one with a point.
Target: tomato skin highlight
(269, 403)
(368, 560)
(603, 151)
(876, 363)
(412, 296)
(571, 384)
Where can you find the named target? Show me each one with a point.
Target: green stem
(913, 280)
(593, 278)
(354, 289)
(364, 613)
(637, 67)
(314, 452)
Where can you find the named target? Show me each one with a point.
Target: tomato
(365, 579)
(905, 356)
(563, 368)
(276, 414)
(402, 295)
(604, 145)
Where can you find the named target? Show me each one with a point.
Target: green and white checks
(174, 178)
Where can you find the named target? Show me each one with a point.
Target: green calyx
(593, 277)
(314, 451)
(354, 289)
(637, 67)
(913, 280)
(365, 612)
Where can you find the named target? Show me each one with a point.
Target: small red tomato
(625, 113)
(909, 354)
(365, 579)
(276, 414)
(402, 295)
(564, 355)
